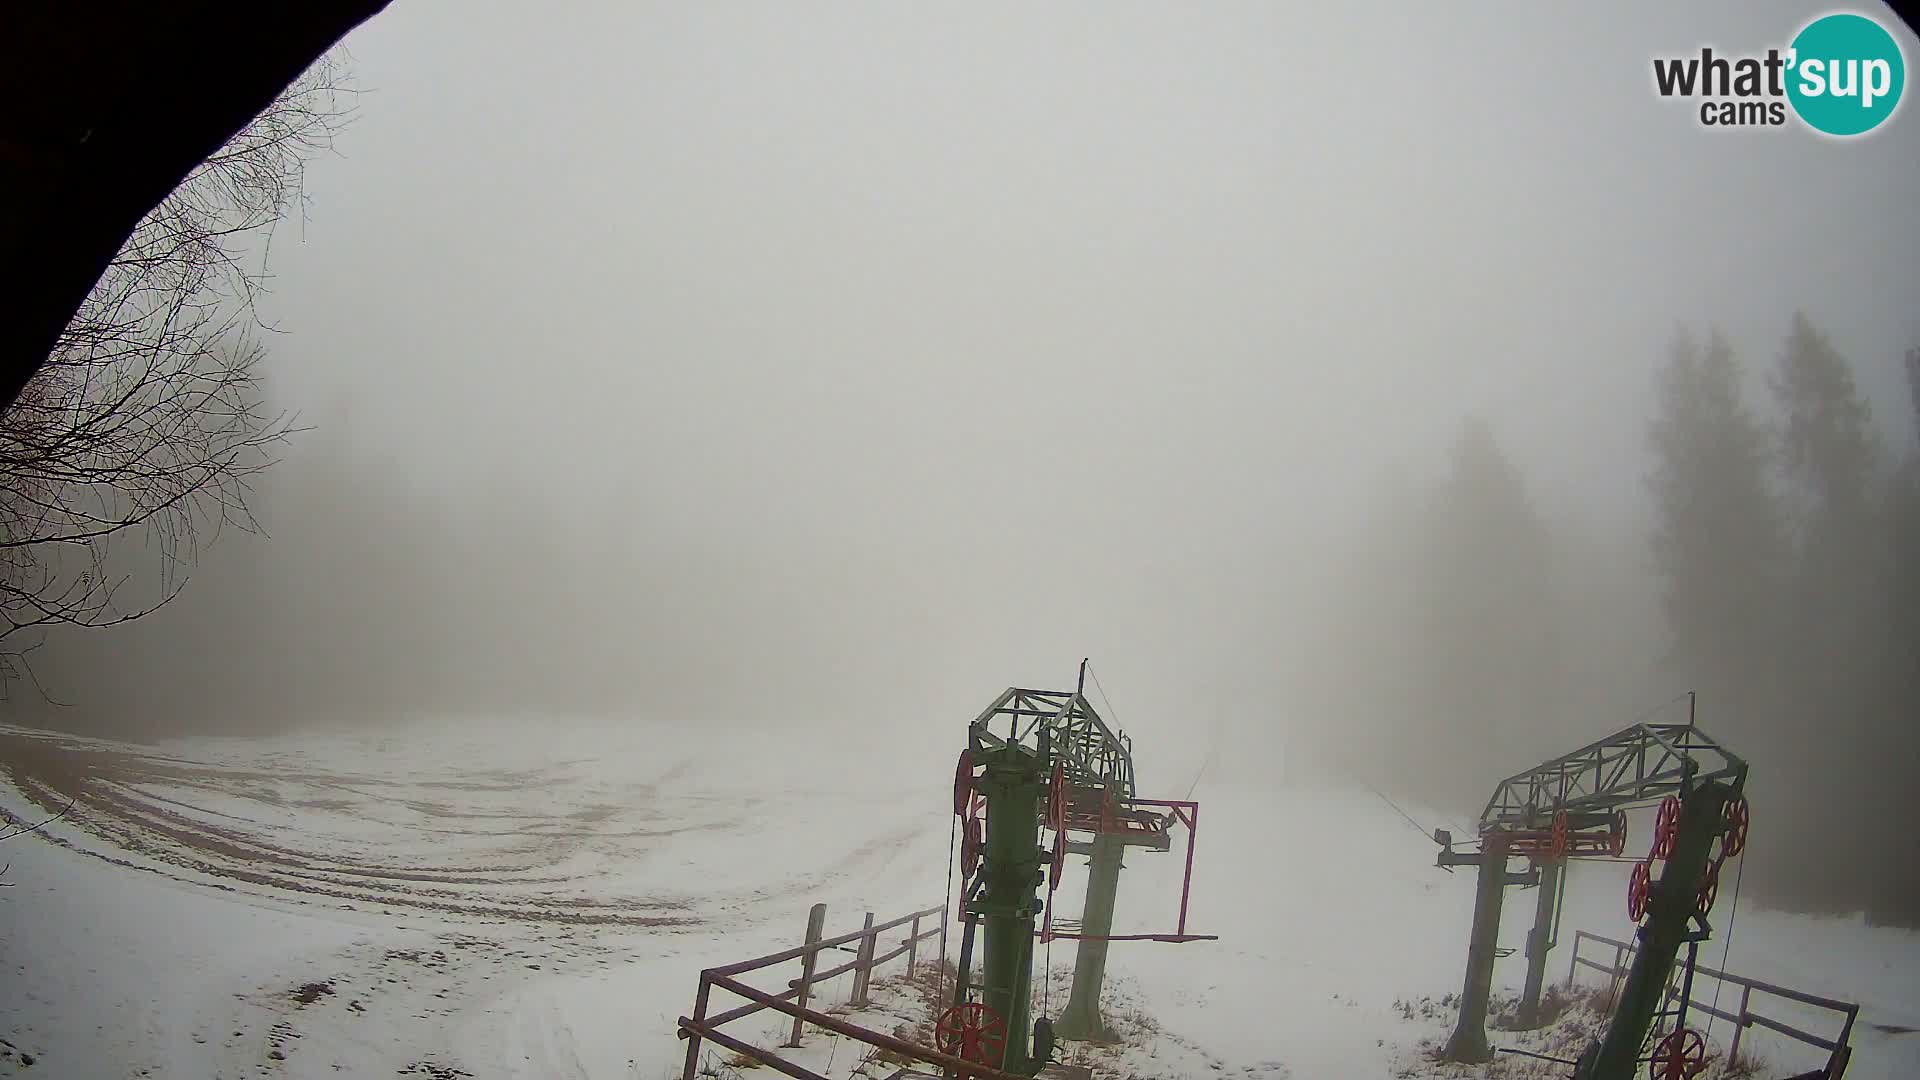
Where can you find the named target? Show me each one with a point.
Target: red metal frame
(1680, 1055)
(971, 1031)
(1172, 939)
(1639, 886)
(1127, 821)
(1709, 889)
(703, 1027)
(1734, 840)
(963, 782)
(1541, 843)
(1666, 826)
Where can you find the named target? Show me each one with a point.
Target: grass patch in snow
(1571, 1020)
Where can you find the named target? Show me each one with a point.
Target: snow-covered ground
(499, 900)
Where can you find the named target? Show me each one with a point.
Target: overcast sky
(921, 349)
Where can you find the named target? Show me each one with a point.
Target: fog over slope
(835, 368)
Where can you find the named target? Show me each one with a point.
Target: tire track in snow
(118, 818)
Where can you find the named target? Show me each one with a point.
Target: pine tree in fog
(1897, 896)
(1831, 464)
(1487, 657)
(1835, 649)
(1718, 544)
(1790, 607)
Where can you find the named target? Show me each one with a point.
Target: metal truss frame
(1635, 765)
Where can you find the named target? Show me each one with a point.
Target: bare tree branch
(147, 422)
(41, 825)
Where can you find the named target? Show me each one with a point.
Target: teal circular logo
(1846, 74)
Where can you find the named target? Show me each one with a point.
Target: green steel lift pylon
(1057, 764)
(1004, 898)
(1468, 1042)
(1574, 806)
(1676, 900)
(1081, 1019)
(1542, 938)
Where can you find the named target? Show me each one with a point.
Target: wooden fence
(1743, 1017)
(865, 946)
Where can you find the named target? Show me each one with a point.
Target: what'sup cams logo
(1842, 75)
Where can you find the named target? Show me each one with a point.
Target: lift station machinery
(1044, 761)
(1575, 807)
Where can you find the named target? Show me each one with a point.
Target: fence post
(693, 1037)
(913, 944)
(942, 966)
(863, 964)
(816, 924)
(1613, 982)
(1574, 960)
(1740, 1028)
(1843, 1053)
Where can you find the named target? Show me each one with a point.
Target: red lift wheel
(1617, 842)
(1709, 889)
(1637, 888)
(1057, 797)
(1734, 840)
(1666, 827)
(972, 844)
(1059, 868)
(1680, 1055)
(962, 782)
(1559, 848)
(972, 1032)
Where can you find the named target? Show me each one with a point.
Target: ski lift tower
(1056, 764)
(1574, 806)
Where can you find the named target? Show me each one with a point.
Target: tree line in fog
(1783, 529)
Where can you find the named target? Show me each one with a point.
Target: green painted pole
(1469, 1040)
(1669, 908)
(961, 986)
(1014, 784)
(1082, 1019)
(1540, 940)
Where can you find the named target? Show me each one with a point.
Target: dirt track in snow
(177, 818)
(480, 896)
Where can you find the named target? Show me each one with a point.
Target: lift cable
(1046, 986)
(1733, 912)
(940, 976)
(1111, 711)
(1531, 1054)
(1417, 827)
(1198, 775)
(1648, 714)
(1046, 974)
(1213, 750)
(1559, 906)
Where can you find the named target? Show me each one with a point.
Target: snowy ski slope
(503, 900)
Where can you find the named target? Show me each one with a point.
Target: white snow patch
(1330, 911)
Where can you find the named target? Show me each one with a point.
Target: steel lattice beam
(1638, 764)
(1635, 765)
(1096, 756)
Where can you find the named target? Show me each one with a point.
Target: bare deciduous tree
(147, 419)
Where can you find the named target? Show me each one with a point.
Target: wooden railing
(865, 947)
(1838, 1049)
